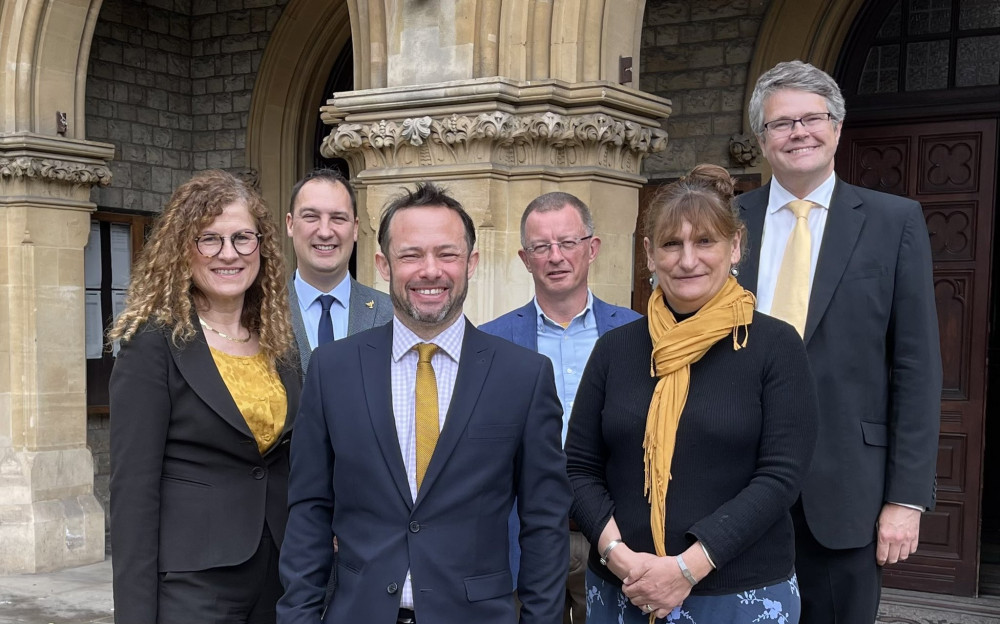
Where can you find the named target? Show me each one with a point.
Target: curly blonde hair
(162, 292)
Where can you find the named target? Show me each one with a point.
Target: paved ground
(83, 596)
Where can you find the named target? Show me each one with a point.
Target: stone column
(497, 144)
(49, 517)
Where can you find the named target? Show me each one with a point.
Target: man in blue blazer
(417, 487)
(562, 322)
(322, 222)
(867, 314)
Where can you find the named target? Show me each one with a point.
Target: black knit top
(744, 442)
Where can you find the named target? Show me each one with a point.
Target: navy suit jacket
(520, 326)
(872, 338)
(360, 315)
(500, 440)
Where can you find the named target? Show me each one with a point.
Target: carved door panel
(950, 168)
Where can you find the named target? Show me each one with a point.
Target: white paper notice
(92, 257)
(117, 307)
(94, 329)
(121, 255)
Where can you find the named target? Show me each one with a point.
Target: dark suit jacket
(359, 315)
(872, 338)
(520, 326)
(189, 488)
(501, 439)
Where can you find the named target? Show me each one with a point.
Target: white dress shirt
(778, 224)
(403, 370)
(312, 309)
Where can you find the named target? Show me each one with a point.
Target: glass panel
(929, 16)
(978, 61)
(890, 27)
(927, 65)
(881, 72)
(979, 14)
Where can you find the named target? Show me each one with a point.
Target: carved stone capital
(597, 140)
(54, 170)
(744, 151)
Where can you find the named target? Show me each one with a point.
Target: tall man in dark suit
(562, 322)
(850, 268)
(419, 507)
(326, 302)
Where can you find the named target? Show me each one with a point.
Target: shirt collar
(307, 293)
(587, 320)
(822, 195)
(449, 340)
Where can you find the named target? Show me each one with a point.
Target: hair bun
(715, 177)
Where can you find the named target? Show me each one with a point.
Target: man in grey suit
(326, 302)
(850, 268)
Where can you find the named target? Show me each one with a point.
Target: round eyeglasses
(245, 243)
(566, 246)
(780, 128)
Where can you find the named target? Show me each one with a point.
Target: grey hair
(557, 200)
(801, 77)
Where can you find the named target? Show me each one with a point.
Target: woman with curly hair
(203, 394)
(690, 434)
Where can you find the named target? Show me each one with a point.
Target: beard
(448, 311)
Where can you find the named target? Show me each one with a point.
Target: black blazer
(501, 439)
(189, 487)
(872, 338)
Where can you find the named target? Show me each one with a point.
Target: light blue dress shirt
(312, 309)
(569, 349)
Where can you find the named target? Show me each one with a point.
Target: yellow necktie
(791, 291)
(427, 409)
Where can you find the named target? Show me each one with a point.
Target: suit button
(257, 473)
(414, 527)
(392, 588)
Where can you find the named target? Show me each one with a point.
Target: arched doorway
(922, 83)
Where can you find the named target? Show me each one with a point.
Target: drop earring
(734, 271)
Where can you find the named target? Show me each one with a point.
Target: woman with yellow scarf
(690, 433)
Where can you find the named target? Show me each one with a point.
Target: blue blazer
(500, 440)
(520, 326)
(872, 338)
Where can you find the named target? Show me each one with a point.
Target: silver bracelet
(607, 551)
(684, 570)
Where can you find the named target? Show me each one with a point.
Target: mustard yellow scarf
(675, 347)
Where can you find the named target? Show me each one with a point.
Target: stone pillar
(497, 144)
(49, 517)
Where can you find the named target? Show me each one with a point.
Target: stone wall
(169, 84)
(696, 53)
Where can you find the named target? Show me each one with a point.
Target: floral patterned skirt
(779, 603)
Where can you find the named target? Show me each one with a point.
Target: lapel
(376, 376)
(477, 357)
(298, 326)
(195, 363)
(843, 227)
(753, 208)
(525, 326)
(359, 316)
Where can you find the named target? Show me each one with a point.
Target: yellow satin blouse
(258, 393)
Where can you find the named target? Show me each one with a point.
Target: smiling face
(557, 274)
(691, 264)
(323, 229)
(428, 267)
(802, 160)
(224, 279)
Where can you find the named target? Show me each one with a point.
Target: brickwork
(169, 84)
(696, 52)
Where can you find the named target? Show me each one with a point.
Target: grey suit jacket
(872, 338)
(367, 308)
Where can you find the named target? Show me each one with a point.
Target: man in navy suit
(418, 541)
(867, 316)
(322, 222)
(562, 322)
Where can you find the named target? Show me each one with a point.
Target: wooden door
(950, 168)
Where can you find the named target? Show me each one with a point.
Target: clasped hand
(651, 580)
